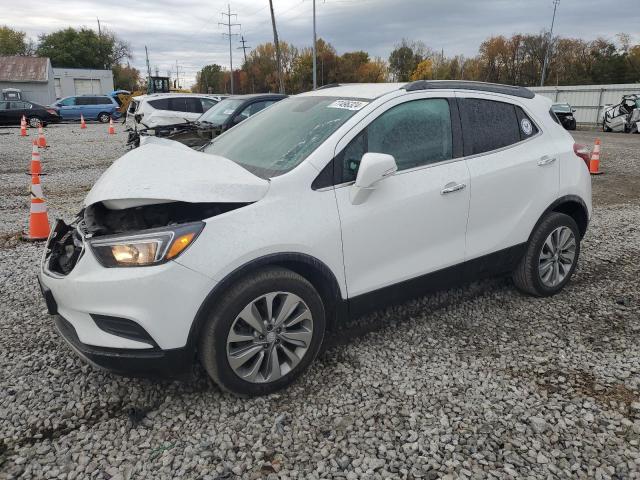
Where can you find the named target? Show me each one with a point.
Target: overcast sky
(188, 30)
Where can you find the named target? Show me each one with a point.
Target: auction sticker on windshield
(348, 104)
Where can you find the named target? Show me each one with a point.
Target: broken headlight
(150, 247)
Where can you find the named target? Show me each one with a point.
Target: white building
(82, 81)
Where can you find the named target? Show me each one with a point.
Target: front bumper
(146, 363)
(160, 301)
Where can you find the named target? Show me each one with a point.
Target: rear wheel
(264, 333)
(34, 122)
(104, 117)
(551, 256)
(604, 127)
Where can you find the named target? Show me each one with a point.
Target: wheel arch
(314, 270)
(571, 205)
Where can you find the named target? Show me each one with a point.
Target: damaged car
(220, 118)
(565, 112)
(624, 116)
(323, 207)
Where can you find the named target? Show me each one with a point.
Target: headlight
(150, 247)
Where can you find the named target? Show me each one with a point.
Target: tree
(83, 48)
(423, 71)
(126, 77)
(405, 57)
(210, 80)
(14, 42)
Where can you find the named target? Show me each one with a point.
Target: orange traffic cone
(23, 127)
(36, 167)
(82, 122)
(42, 142)
(111, 129)
(594, 163)
(38, 218)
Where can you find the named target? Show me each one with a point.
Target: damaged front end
(137, 236)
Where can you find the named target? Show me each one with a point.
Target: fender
(566, 199)
(314, 270)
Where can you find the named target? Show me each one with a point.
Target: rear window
(489, 125)
(103, 101)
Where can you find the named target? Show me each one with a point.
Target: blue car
(91, 107)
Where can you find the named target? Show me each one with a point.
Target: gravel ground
(478, 382)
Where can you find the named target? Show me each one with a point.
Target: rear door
(513, 168)
(5, 114)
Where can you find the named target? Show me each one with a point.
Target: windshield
(562, 108)
(280, 137)
(219, 113)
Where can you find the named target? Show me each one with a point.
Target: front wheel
(104, 117)
(264, 333)
(35, 122)
(551, 256)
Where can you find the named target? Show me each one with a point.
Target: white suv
(324, 206)
(160, 109)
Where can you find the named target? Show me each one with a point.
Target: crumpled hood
(163, 171)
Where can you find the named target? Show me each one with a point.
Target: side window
(487, 125)
(160, 104)
(416, 133)
(178, 104)
(527, 128)
(84, 101)
(207, 103)
(193, 105)
(67, 102)
(103, 101)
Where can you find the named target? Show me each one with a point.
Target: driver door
(414, 222)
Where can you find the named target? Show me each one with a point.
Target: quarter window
(416, 133)
(488, 125)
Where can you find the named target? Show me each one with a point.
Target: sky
(188, 31)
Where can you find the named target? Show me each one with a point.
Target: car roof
(251, 96)
(375, 90)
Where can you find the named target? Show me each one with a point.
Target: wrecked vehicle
(220, 118)
(624, 116)
(565, 112)
(324, 206)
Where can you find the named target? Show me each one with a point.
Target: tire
(104, 117)
(605, 128)
(528, 276)
(35, 121)
(217, 348)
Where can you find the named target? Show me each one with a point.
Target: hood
(163, 171)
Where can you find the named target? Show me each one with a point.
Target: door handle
(546, 160)
(452, 187)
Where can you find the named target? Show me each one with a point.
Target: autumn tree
(14, 42)
(423, 71)
(126, 77)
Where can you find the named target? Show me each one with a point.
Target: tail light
(583, 152)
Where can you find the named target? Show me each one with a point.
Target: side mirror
(373, 168)
(573, 110)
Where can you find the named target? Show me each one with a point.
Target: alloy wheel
(34, 122)
(557, 256)
(269, 337)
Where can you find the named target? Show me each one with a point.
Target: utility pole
(100, 42)
(275, 41)
(315, 54)
(243, 47)
(546, 53)
(228, 14)
(177, 75)
(146, 53)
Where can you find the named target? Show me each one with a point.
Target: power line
(228, 14)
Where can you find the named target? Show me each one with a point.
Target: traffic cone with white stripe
(38, 217)
(83, 124)
(111, 129)
(23, 127)
(36, 166)
(42, 142)
(594, 163)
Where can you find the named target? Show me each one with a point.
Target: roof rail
(469, 85)
(328, 85)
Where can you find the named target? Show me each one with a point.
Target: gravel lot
(479, 382)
